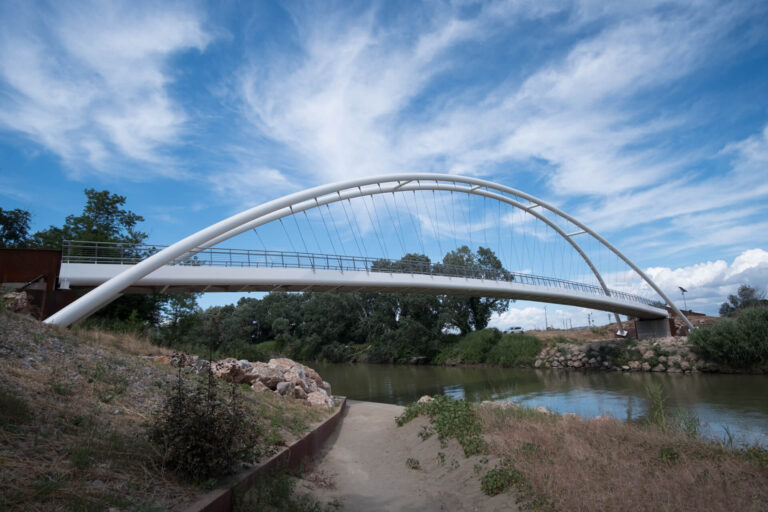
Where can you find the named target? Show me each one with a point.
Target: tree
(473, 313)
(746, 297)
(14, 228)
(103, 220)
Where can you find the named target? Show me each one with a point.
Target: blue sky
(646, 120)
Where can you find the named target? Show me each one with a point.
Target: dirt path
(365, 460)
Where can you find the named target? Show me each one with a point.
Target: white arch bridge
(197, 263)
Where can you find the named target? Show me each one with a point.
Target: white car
(515, 330)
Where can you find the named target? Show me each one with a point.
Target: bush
(498, 479)
(474, 347)
(515, 350)
(451, 419)
(741, 343)
(203, 432)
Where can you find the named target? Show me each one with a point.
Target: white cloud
(707, 283)
(248, 187)
(358, 98)
(88, 80)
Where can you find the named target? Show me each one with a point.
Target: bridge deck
(178, 278)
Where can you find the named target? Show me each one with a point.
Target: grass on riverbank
(604, 464)
(74, 411)
(554, 462)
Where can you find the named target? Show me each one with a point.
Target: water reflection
(736, 402)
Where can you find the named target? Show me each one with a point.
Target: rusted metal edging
(223, 500)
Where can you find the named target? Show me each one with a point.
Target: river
(735, 404)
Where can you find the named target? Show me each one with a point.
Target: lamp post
(682, 291)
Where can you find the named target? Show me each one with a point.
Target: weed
(451, 419)
(498, 479)
(202, 432)
(477, 469)
(276, 493)
(441, 458)
(413, 463)
(81, 457)
(454, 464)
(47, 484)
(668, 454)
(13, 410)
(656, 406)
(425, 433)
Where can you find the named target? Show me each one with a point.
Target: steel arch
(326, 194)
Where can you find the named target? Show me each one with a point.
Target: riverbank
(75, 410)
(372, 464)
(563, 462)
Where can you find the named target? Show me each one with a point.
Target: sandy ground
(363, 467)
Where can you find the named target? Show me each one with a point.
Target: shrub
(498, 479)
(474, 347)
(203, 431)
(333, 353)
(741, 343)
(515, 350)
(450, 419)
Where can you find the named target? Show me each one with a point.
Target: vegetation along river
(726, 404)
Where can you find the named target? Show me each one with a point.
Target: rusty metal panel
(24, 265)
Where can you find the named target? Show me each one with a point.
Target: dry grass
(127, 343)
(604, 464)
(83, 400)
(605, 332)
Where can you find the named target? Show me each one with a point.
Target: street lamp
(683, 290)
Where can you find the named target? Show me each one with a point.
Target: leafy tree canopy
(14, 228)
(103, 219)
(746, 297)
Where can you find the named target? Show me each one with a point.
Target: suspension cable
(317, 243)
(327, 232)
(299, 230)
(354, 235)
(336, 227)
(287, 235)
(398, 233)
(437, 223)
(260, 240)
(375, 231)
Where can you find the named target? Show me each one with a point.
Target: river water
(735, 404)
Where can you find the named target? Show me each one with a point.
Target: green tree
(14, 228)
(473, 313)
(103, 219)
(746, 297)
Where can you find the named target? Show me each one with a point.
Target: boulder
(229, 371)
(424, 399)
(646, 367)
(658, 368)
(282, 362)
(326, 387)
(298, 392)
(267, 375)
(284, 388)
(319, 399)
(16, 302)
(259, 387)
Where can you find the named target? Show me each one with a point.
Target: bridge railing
(127, 254)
